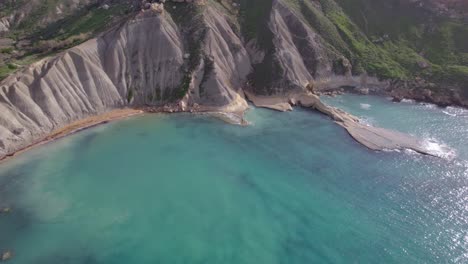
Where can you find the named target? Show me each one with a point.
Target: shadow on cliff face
(255, 27)
(142, 73)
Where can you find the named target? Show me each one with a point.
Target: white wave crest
(448, 113)
(391, 150)
(409, 101)
(439, 149)
(428, 105)
(368, 121)
(455, 111)
(410, 152)
(365, 106)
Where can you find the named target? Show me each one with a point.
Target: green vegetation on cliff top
(390, 39)
(36, 40)
(411, 41)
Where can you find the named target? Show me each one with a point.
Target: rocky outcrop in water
(7, 255)
(374, 138)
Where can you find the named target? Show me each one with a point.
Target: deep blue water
(290, 188)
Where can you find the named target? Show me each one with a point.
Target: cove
(290, 188)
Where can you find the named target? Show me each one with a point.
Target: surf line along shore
(77, 126)
(374, 138)
(225, 115)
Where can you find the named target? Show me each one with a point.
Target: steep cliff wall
(142, 57)
(225, 63)
(143, 62)
(299, 47)
(202, 56)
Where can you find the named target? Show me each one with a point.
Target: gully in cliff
(200, 55)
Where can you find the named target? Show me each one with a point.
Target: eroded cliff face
(300, 52)
(224, 66)
(143, 59)
(193, 57)
(297, 56)
(143, 55)
(141, 63)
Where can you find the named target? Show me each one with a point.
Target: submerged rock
(7, 255)
(5, 210)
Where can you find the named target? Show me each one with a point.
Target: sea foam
(365, 106)
(439, 149)
(455, 111)
(410, 101)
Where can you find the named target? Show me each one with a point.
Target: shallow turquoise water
(291, 188)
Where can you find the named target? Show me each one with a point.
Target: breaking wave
(439, 149)
(365, 106)
(368, 121)
(410, 101)
(428, 105)
(455, 111)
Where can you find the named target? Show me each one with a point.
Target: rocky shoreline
(450, 98)
(374, 138)
(235, 118)
(417, 90)
(75, 127)
(197, 60)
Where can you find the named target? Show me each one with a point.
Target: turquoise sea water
(291, 188)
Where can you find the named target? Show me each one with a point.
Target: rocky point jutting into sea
(197, 56)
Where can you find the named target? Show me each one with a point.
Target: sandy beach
(371, 137)
(78, 126)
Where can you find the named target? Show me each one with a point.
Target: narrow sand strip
(372, 137)
(78, 126)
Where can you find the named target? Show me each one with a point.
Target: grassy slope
(348, 27)
(54, 37)
(90, 19)
(394, 59)
(389, 39)
(7, 7)
(189, 18)
(414, 35)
